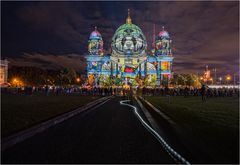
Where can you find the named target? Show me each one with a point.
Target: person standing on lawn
(203, 93)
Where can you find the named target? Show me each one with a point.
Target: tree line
(36, 76)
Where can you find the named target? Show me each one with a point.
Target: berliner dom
(129, 63)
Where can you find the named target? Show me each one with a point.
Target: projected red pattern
(129, 70)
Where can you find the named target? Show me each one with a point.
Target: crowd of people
(58, 90)
(190, 91)
(204, 91)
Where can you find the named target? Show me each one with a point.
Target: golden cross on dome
(128, 20)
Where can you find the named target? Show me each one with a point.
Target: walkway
(108, 134)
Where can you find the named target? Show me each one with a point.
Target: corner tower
(163, 53)
(95, 43)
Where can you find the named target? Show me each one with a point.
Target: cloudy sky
(55, 34)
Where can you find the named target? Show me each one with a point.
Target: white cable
(169, 149)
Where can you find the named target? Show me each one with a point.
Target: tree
(67, 76)
(186, 79)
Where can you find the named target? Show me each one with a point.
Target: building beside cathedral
(129, 62)
(3, 72)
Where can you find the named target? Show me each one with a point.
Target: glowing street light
(211, 79)
(78, 80)
(16, 82)
(228, 78)
(220, 79)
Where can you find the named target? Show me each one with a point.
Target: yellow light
(17, 82)
(228, 78)
(78, 79)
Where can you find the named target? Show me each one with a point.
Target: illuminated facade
(129, 62)
(3, 72)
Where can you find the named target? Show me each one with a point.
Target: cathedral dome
(163, 33)
(129, 39)
(95, 34)
(162, 44)
(95, 43)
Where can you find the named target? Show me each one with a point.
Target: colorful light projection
(150, 66)
(105, 80)
(128, 39)
(165, 79)
(91, 79)
(129, 62)
(94, 65)
(95, 43)
(162, 44)
(129, 69)
(165, 65)
(106, 66)
(150, 80)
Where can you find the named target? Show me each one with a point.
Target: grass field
(215, 122)
(20, 111)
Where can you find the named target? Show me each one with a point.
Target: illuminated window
(165, 65)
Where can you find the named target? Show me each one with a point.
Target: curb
(158, 111)
(25, 134)
(151, 120)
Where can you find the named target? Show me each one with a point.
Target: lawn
(20, 111)
(215, 122)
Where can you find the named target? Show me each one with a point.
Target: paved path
(108, 134)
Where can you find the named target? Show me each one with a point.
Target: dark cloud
(49, 61)
(203, 33)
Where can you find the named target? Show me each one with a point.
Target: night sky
(53, 34)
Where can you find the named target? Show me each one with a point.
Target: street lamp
(78, 80)
(220, 79)
(15, 82)
(215, 75)
(228, 78)
(211, 79)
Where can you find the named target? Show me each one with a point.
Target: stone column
(116, 69)
(145, 68)
(111, 67)
(140, 70)
(158, 73)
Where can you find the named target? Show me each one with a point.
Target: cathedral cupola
(95, 43)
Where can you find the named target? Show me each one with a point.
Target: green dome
(129, 40)
(123, 28)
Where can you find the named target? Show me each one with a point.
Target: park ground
(213, 124)
(19, 111)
